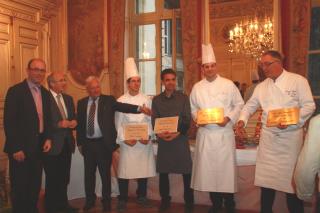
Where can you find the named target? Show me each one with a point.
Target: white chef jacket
(278, 149)
(214, 167)
(136, 161)
(308, 165)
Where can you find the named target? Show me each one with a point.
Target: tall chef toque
(130, 68)
(208, 54)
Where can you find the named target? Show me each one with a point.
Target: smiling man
(173, 149)
(214, 168)
(136, 156)
(279, 146)
(27, 126)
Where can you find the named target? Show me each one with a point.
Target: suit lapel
(100, 110)
(68, 106)
(29, 97)
(55, 107)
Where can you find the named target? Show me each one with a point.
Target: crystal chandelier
(252, 37)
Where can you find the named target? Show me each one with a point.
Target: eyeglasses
(267, 64)
(38, 70)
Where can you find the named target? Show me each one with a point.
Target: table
(247, 197)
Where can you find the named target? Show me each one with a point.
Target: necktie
(61, 109)
(92, 112)
(38, 101)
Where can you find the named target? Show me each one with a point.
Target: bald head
(36, 70)
(57, 82)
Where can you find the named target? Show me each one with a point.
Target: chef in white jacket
(137, 159)
(308, 165)
(279, 146)
(214, 167)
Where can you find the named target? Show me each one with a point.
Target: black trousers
(57, 170)
(295, 205)
(25, 180)
(124, 185)
(220, 198)
(96, 155)
(164, 188)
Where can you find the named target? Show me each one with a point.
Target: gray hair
(90, 79)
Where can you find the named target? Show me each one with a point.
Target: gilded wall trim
(240, 8)
(191, 41)
(116, 28)
(299, 36)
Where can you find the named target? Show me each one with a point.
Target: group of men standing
(37, 121)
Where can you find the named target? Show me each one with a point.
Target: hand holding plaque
(283, 117)
(166, 124)
(130, 142)
(210, 116)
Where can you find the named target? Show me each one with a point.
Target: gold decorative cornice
(230, 9)
(33, 11)
(17, 14)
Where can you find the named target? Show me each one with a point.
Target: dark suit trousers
(164, 188)
(57, 170)
(96, 154)
(124, 185)
(25, 179)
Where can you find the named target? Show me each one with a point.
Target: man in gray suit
(57, 161)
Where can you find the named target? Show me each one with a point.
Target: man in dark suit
(27, 130)
(57, 161)
(96, 137)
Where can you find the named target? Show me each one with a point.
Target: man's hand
(225, 122)
(19, 156)
(64, 124)
(130, 142)
(281, 126)
(240, 132)
(72, 124)
(47, 146)
(144, 142)
(168, 136)
(145, 110)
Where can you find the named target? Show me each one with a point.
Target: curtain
(191, 41)
(116, 28)
(295, 34)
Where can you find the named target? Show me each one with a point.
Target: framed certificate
(285, 116)
(136, 131)
(166, 124)
(210, 116)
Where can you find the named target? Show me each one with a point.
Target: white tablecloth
(247, 197)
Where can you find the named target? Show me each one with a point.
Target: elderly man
(137, 160)
(57, 161)
(27, 130)
(96, 137)
(279, 146)
(214, 167)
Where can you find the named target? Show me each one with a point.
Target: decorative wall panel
(85, 38)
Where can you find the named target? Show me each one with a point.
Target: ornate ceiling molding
(32, 10)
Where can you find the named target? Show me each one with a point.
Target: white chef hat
(254, 75)
(130, 68)
(208, 54)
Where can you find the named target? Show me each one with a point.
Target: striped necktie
(91, 116)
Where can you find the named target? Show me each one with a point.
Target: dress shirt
(36, 94)
(61, 100)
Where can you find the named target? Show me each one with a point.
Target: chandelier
(251, 37)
